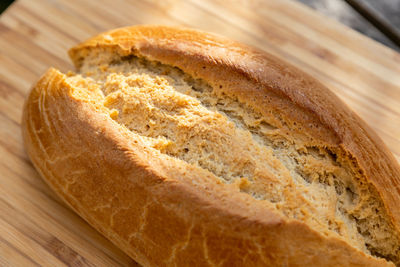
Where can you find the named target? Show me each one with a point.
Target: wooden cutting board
(35, 227)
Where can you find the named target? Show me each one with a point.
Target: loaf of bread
(187, 149)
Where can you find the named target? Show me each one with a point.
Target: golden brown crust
(163, 215)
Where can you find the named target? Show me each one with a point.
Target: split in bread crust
(252, 138)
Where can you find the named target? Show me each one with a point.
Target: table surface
(35, 227)
(388, 10)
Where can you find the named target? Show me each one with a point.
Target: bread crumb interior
(186, 118)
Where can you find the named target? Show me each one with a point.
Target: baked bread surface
(185, 148)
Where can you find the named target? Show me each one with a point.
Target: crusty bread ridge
(185, 148)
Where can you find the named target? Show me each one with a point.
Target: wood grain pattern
(35, 227)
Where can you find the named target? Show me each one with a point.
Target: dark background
(4, 4)
(387, 10)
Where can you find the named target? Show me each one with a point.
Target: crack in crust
(180, 246)
(190, 120)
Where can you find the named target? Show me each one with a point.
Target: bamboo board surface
(35, 227)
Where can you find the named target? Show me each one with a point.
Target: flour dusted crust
(162, 211)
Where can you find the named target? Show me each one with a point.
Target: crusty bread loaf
(184, 148)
